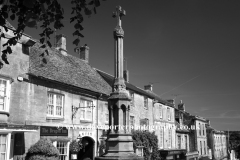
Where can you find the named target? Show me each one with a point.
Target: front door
(87, 152)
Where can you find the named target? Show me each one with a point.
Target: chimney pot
(126, 75)
(149, 87)
(61, 44)
(181, 106)
(84, 53)
(171, 101)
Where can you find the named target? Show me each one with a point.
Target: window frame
(161, 111)
(106, 118)
(179, 141)
(6, 99)
(86, 109)
(161, 137)
(168, 114)
(169, 138)
(6, 145)
(55, 142)
(145, 102)
(132, 122)
(132, 99)
(54, 115)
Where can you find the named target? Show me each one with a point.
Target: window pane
(3, 156)
(83, 114)
(62, 147)
(3, 145)
(3, 86)
(89, 115)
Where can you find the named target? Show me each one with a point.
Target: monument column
(119, 142)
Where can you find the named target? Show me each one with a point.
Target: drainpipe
(99, 96)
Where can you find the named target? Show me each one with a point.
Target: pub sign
(53, 131)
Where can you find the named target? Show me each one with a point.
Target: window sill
(55, 118)
(5, 112)
(86, 121)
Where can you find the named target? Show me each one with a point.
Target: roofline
(158, 101)
(87, 90)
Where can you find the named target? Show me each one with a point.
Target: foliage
(234, 142)
(146, 139)
(75, 146)
(42, 150)
(47, 14)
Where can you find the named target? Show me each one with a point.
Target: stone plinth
(119, 147)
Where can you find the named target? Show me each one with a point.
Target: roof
(65, 69)
(110, 80)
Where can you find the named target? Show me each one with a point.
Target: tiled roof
(66, 69)
(110, 79)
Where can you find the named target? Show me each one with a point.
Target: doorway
(87, 152)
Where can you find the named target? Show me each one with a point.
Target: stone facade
(31, 103)
(217, 143)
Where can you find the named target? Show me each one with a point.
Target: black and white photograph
(119, 79)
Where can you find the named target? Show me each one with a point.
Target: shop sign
(53, 131)
(90, 134)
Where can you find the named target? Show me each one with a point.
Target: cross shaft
(119, 13)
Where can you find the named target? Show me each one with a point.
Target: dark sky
(188, 49)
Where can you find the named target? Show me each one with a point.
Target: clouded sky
(188, 49)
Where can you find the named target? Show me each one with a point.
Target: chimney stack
(61, 44)
(171, 101)
(149, 87)
(181, 106)
(126, 75)
(83, 52)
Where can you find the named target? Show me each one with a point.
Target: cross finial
(119, 13)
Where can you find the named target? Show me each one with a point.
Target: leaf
(31, 23)
(41, 55)
(76, 41)
(87, 11)
(44, 60)
(5, 15)
(90, 3)
(43, 46)
(29, 3)
(9, 50)
(47, 52)
(42, 40)
(97, 3)
(95, 11)
(49, 44)
(78, 26)
(4, 57)
(12, 17)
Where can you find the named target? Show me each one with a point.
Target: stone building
(147, 108)
(198, 135)
(217, 143)
(185, 137)
(49, 94)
